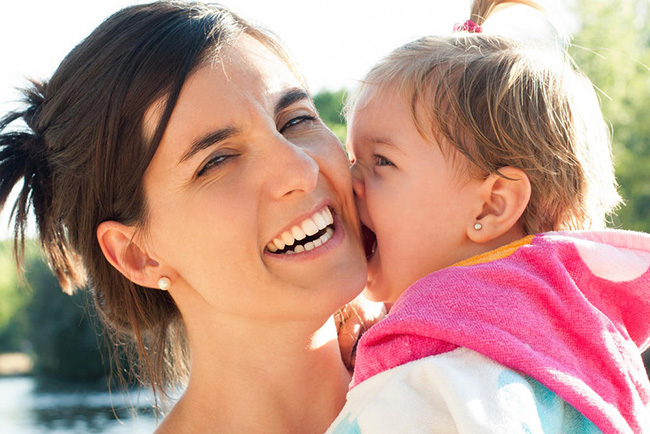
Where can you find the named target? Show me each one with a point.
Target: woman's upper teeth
(308, 227)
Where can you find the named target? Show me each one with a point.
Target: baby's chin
(380, 291)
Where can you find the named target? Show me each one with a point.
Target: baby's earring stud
(478, 226)
(164, 283)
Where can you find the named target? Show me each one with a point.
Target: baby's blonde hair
(503, 103)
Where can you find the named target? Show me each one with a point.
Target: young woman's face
(245, 167)
(408, 194)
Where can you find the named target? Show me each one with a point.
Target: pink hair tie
(468, 26)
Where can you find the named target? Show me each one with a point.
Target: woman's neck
(262, 378)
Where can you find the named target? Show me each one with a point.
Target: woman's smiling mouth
(312, 232)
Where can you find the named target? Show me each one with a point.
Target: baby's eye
(380, 160)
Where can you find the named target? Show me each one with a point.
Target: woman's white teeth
(313, 244)
(308, 227)
(278, 243)
(328, 216)
(298, 233)
(319, 220)
(287, 238)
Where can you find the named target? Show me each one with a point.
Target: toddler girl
(464, 148)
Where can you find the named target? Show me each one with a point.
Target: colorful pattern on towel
(458, 391)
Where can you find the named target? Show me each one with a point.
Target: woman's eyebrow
(213, 137)
(209, 139)
(290, 97)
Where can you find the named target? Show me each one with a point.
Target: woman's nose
(293, 169)
(357, 182)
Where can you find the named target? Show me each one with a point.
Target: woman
(176, 164)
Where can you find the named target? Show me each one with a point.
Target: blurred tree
(612, 48)
(329, 106)
(14, 297)
(63, 335)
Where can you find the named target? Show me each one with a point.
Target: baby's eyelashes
(380, 160)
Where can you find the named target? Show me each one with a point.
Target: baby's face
(414, 200)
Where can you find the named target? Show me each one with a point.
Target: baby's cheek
(379, 206)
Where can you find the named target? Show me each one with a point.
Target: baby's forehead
(375, 102)
(372, 104)
(378, 93)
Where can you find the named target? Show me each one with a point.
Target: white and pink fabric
(542, 335)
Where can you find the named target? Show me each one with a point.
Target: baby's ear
(127, 256)
(503, 199)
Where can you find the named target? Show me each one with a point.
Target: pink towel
(569, 309)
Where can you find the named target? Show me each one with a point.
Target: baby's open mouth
(312, 232)
(369, 241)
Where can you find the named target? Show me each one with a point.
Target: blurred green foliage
(613, 49)
(63, 335)
(329, 105)
(38, 318)
(14, 297)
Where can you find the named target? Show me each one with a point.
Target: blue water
(26, 407)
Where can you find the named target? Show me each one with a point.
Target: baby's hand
(352, 321)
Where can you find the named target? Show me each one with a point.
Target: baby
(483, 170)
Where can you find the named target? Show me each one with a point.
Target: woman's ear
(503, 199)
(122, 252)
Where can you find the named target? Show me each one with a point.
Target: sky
(333, 42)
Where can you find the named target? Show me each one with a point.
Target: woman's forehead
(247, 66)
(248, 60)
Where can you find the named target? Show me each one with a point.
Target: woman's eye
(297, 121)
(380, 160)
(215, 161)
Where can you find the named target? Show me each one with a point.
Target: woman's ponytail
(24, 155)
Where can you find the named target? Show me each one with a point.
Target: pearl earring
(164, 283)
(478, 226)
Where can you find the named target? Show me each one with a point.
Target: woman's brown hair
(499, 102)
(83, 154)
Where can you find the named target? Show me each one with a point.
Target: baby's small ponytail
(24, 155)
(483, 9)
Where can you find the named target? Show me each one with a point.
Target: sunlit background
(334, 43)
